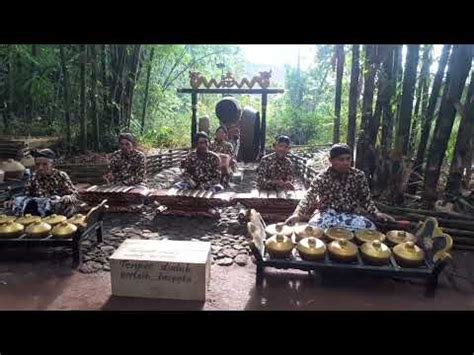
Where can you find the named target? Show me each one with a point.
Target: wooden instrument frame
(94, 220)
(436, 259)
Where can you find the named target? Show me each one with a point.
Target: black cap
(201, 135)
(44, 153)
(221, 128)
(339, 149)
(127, 136)
(282, 139)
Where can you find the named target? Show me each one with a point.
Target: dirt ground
(41, 283)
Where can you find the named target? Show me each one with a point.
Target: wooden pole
(264, 123)
(193, 119)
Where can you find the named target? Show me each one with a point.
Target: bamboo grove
(407, 119)
(411, 126)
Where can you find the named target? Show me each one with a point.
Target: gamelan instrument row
(35, 227)
(192, 202)
(119, 198)
(305, 242)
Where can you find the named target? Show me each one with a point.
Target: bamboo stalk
(462, 224)
(425, 212)
(453, 231)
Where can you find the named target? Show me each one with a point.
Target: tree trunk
(8, 113)
(83, 59)
(367, 107)
(66, 97)
(31, 113)
(147, 87)
(133, 66)
(353, 96)
(105, 86)
(93, 96)
(384, 56)
(117, 67)
(337, 106)
(421, 94)
(390, 69)
(459, 66)
(461, 156)
(421, 103)
(428, 115)
(402, 138)
(369, 85)
(136, 79)
(398, 68)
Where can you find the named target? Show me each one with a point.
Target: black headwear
(339, 149)
(44, 153)
(201, 135)
(127, 136)
(282, 139)
(223, 128)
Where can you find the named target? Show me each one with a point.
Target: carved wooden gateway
(229, 85)
(228, 81)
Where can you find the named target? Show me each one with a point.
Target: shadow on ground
(143, 304)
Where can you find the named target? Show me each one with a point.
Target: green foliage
(306, 111)
(32, 96)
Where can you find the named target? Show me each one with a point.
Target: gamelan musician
(201, 168)
(127, 165)
(48, 191)
(275, 171)
(225, 150)
(339, 196)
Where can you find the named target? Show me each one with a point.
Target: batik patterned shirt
(272, 167)
(128, 169)
(57, 183)
(204, 171)
(347, 193)
(223, 147)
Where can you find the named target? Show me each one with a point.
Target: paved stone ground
(227, 235)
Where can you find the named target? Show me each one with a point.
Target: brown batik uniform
(128, 169)
(224, 147)
(205, 172)
(272, 168)
(57, 183)
(346, 193)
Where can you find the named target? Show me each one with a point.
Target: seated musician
(340, 195)
(127, 165)
(233, 136)
(48, 191)
(201, 167)
(226, 152)
(275, 171)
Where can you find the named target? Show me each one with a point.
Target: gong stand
(429, 271)
(227, 86)
(94, 221)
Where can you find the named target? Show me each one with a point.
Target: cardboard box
(161, 269)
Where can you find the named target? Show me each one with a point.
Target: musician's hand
(66, 199)
(192, 183)
(8, 204)
(384, 217)
(109, 177)
(292, 219)
(289, 185)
